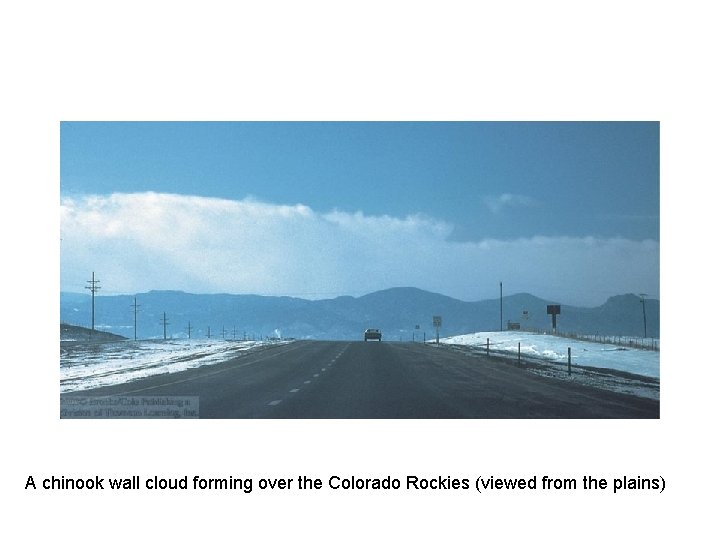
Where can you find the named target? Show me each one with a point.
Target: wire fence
(516, 353)
(648, 344)
(639, 367)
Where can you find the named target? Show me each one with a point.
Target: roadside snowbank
(85, 365)
(555, 349)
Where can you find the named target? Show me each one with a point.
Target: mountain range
(402, 313)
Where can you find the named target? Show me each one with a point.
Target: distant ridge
(396, 311)
(70, 332)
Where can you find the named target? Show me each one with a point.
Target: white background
(368, 61)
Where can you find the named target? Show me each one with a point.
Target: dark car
(373, 333)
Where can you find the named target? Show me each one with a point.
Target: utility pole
(501, 306)
(189, 329)
(135, 307)
(94, 287)
(223, 331)
(642, 299)
(165, 325)
(208, 332)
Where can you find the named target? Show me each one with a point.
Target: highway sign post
(437, 323)
(554, 310)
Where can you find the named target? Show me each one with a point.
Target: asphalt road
(334, 379)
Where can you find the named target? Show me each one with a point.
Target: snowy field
(601, 365)
(554, 349)
(85, 365)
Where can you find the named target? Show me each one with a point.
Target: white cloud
(142, 241)
(498, 203)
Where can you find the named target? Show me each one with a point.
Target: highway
(336, 379)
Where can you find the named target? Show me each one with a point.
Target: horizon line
(303, 296)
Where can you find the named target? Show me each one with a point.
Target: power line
(135, 307)
(501, 308)
(165, 325)
(94, 287)
(642, 299)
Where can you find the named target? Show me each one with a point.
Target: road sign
(437, 323)
(554, 310)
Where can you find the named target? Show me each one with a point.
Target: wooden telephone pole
(165, 325)
(94, 287)
(135, 307)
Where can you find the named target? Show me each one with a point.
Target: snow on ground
(555, 349)
(634, 371)
(85, 365)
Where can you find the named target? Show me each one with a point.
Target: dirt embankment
(69, 332)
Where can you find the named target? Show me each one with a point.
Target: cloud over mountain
(141, 241)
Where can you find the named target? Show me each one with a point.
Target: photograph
(360, 270)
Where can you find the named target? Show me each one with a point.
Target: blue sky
(510, 193)
(491, 180)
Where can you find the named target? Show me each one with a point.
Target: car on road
(373, 333)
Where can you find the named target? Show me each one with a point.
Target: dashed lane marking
(273, 403)
(294, 390)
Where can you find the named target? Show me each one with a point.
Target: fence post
(569, 356)
(518, 352)
(487, 347)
